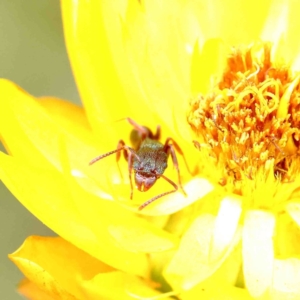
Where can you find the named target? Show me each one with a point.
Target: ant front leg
(130, 167)
(128, 153)
(163, 194)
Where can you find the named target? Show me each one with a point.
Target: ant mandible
(148, 159)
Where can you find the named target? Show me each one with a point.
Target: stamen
(252, 117)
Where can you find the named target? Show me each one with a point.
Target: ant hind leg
(170, 142)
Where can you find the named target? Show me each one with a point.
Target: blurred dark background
(32, 54)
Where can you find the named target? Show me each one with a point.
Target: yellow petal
(117, 285)
(66, 272)
(192, 262)
(31, 291)
(195, 189)
(58, 211)
(286, 279)
(224, 278)
(293, 208)
(291, 48)
(110, 86)
(69, 117)
(161, 65)
(286, 244)
(47, 136)
(38, 260)
(23, 117)
(258, 252)
(231, 20)
(23, 114)
(101, 68)
(217, 293)
(276, 22)
(14, 138)
(206, 63)
(226, 225)
(136, 238)
(109, 220)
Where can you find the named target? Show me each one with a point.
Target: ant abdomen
(136, 137)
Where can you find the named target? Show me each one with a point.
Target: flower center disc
(251, 119)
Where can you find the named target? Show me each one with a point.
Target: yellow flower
(235, 235)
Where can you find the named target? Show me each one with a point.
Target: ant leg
(128, 152)
(105, 155)
(142, 130)
(121, 145)
(157, 134)
(175, 163)
(145, 131)
(130, 163)
(178, 149)
(160, 195)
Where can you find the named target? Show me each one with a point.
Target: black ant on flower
(148, 159)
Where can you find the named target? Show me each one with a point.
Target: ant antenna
(160, 195)
(123, 147)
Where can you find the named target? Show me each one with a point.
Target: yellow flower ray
(58, 211)
(101, 85)
(286, 277)
(43, 133)
(155, 60)
(69, 117)
(220, 293)
(67, 272)
(92, 206)
(129, 65)
(109, 220)
(193, 264)
(31, 291)
(144, 109)
(258, 253)
(224, 19)
(13, 137)
(27, 118)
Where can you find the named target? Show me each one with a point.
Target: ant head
(144, 181)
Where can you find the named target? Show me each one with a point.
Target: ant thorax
(151, 158)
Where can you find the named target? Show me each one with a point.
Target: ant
(148, 159)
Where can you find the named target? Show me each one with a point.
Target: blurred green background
(32, 54)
